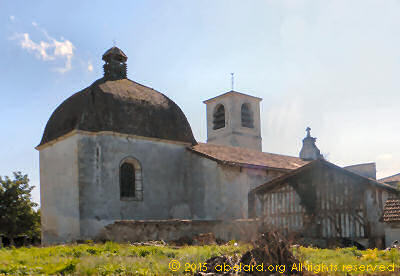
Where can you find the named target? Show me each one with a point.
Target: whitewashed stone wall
(81, 193)
(59, 191)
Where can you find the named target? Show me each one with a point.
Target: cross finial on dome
(115, 66)
(232, 79)
(308, 129)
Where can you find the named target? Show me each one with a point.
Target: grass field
(350, 260)
(124, 259)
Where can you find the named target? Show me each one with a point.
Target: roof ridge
(231, 92)
(397, 174)
(274, 181)
(251, 150)
(244, 157)
(367, 163)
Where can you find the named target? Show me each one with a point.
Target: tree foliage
(17, 213)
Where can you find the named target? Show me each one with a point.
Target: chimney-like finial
(232, 79)
(309, 151)
(115, 64)
(308, 129)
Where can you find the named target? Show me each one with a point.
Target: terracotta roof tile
(246, 157)
(391, 211)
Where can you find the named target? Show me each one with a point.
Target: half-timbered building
(321, 202)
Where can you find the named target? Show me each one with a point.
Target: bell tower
(233, 119)
(115, 64)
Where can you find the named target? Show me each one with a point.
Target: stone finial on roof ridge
(309, 150)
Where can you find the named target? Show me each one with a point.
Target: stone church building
(119, 151)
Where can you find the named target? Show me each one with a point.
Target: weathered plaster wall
(59, 193)
(392, 233)
(165, 188)
(221, 191)
(375, 198)
(171, 230)
(177, 183)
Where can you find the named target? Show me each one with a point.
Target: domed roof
(123, 106)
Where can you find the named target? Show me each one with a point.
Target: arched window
(127, 180)
(247, 116)
(219, 117)
(130, 179)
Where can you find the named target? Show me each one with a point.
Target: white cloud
(90, 67)
(40, 49)
(12, 17)
(385, 156)
(64, 49)
(51, 49)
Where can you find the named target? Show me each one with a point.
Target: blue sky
(330, 65)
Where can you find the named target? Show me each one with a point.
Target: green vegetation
(124, 259)
(350, 260)
(17, 213)
(107, 259)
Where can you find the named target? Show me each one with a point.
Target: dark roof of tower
(115, 53)
(122, 106)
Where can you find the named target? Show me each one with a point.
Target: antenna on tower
(232, 78)
(114, 43)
